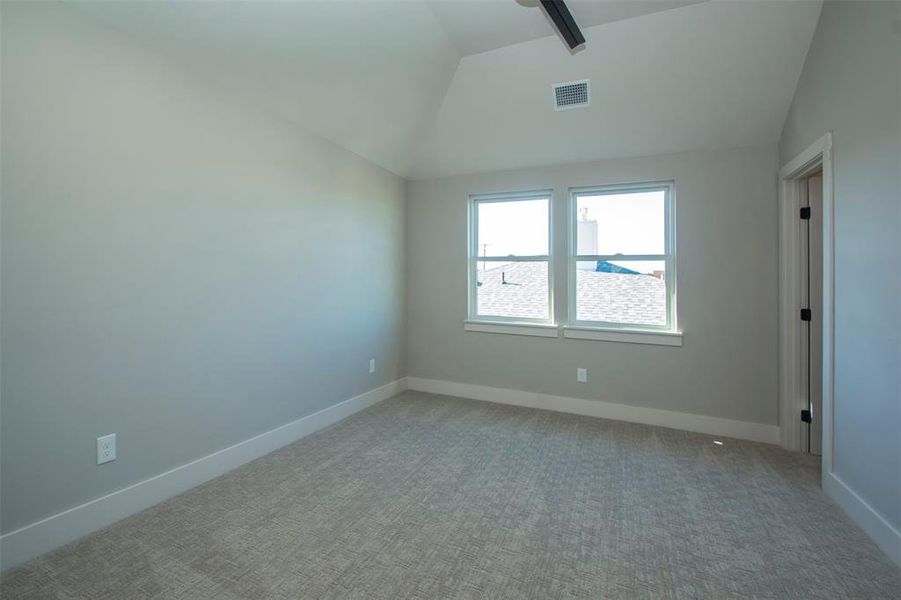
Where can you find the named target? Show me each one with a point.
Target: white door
(812, 298)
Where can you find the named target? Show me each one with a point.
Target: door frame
(791, 176)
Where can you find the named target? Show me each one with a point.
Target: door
(812, 298)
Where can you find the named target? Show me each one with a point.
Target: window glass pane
(623, 291)
(517, 227)
(627, 223)
(513, 289)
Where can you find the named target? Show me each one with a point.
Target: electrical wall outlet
(372, 365)
(106, 448)
(582, 375)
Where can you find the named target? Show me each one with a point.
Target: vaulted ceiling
(480, 25)
(434, 88)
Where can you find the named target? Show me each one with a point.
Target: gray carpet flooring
(430, 497)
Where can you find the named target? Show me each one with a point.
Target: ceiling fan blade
(564, 22)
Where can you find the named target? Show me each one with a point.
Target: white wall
(851, 85)
(176, 268)
(727, 277)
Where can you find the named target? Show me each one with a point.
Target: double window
(621, 259)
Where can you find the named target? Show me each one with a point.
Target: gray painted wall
(851, 85)
(177, 268)
(727, 290)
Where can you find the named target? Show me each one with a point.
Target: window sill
(513, 328)
(629, 336)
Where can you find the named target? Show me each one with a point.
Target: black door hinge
(805, 212)
(805, 416)
(806, 314)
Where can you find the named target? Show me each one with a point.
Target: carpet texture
(428, 497)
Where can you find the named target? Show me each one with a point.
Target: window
(622, 261)
(510, 274)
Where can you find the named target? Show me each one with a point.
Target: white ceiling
(709, 75)
(368, 75)
(431, 88)
(480, 25)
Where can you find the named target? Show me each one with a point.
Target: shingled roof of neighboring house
(615, 297)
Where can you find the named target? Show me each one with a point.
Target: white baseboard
(867, 518)
(21, 545)
(758, 432)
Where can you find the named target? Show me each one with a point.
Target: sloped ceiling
(480, 25)
(708, 75)
(428, 88)
(367, 75)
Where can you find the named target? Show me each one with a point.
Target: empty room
(430, 299)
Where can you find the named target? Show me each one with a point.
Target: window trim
(473, 257)
(531, 329)
(629, 336)
(669, 258)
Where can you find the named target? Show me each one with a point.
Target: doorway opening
(806, 300)
(810, 232)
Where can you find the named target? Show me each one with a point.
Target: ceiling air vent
(572, 94)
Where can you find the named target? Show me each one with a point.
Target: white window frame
(532, 326)
(583, 329)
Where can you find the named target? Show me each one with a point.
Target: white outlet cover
(582, 375)
(372, 365)
(106, 448)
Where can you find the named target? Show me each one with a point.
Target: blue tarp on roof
(607, 267)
